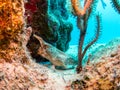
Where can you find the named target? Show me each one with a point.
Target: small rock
(113, 54)
(1, 75)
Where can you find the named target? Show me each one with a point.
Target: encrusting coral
(103, 75)
(82, 21)
(11, 31)
(10, 12)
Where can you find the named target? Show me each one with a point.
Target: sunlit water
(110, 25)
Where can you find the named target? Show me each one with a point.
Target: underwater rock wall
(48, 19)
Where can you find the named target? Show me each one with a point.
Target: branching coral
(116, 5)
(82, 21)
(78, 8)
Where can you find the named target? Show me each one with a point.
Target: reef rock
(103, 75)
(105, 50)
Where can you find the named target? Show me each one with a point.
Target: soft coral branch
(96, 37)
(79, 11)
(83, 15)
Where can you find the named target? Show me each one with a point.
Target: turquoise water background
(110, 25)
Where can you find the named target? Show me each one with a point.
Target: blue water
(110, 25)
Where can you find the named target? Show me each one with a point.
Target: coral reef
(11, 31)
(10, 26)
(19, 72)
(103, 75)
(49, 20)
(82, 21)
